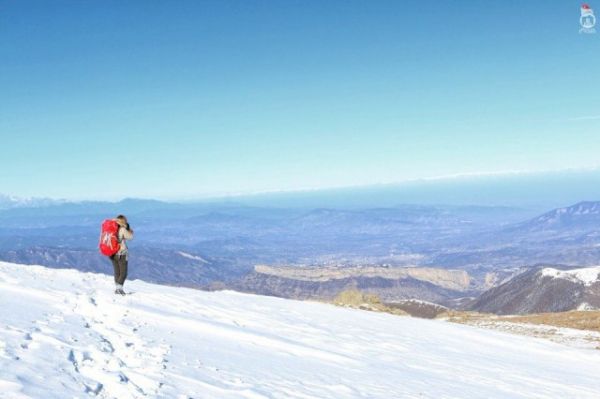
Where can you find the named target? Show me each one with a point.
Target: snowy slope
(63, 334)
(586, 275)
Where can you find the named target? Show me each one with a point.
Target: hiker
(113, 243)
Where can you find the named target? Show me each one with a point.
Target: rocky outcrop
(418, 308)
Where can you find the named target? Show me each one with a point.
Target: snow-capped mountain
(546, 289)
(9, 202)
(63, 333)
(587, 276)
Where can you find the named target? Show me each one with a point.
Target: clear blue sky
(182, 99)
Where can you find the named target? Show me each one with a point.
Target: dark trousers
(120, 265)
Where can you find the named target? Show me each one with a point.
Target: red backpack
(109, 238)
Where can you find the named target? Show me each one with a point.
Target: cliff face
(458, 280)
(390, 284)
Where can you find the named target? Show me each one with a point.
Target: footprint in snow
(106, 346)
(94, 388)
(27, 338)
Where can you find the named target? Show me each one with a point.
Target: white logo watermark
(587, 20)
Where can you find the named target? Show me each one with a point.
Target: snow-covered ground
(64, 334)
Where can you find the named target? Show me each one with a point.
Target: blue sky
(184, 99)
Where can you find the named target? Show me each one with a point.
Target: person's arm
(126, 233)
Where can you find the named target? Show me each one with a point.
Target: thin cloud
(585, 118)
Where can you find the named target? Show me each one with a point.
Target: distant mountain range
(488, 244)
(569, 236)
(10, 202)
(581, 216)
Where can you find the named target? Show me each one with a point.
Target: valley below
(467, 258)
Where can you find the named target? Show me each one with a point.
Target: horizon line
(232, 195)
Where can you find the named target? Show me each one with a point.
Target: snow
(64, 334)
(586, 276)
(193, 257)
(584, 306)
(566, 336)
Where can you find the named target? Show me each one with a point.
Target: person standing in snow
(121, 258)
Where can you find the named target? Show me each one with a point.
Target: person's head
(122, 220)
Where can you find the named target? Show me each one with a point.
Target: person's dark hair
(124, 220)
